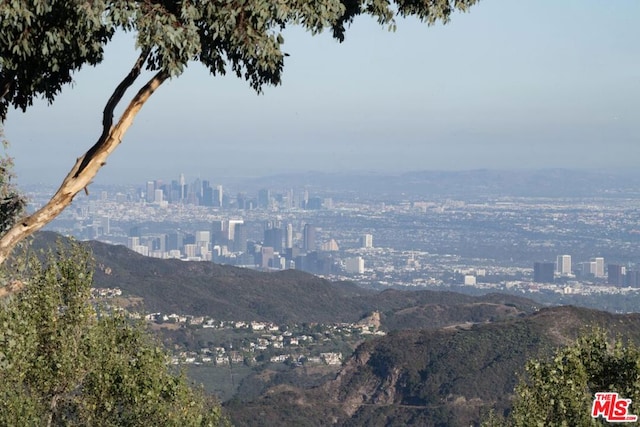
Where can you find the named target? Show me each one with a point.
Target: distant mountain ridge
(553, 182)
(226, 292)
(290, 296)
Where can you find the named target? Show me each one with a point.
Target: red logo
(613, 408)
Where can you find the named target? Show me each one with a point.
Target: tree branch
(114, 100)
(85, 168)
(11, 288)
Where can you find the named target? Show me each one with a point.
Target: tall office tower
(230, 228)
(354, 265)
(288, 238)
(240, 237)
(632, 278)
(543, 272)
(158, 198)
(197, 188)
(217, 232)
(174, 241)
(265, 256)
(599, 266)
(203, 242)
(207, 194)
(273, 238)
(264, 198)
(203, 237)
(564, 265)
(105, 224)
(132, 242)
(287, 200)
(314, 203)
(241, 199)
(616, 274)
(174, 192)
(588, 268)
(183, 186)
(309, 235)
(217, 196)
(150, 193)
(159, 243)
(366, 241)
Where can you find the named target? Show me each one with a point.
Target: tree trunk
(85, 168)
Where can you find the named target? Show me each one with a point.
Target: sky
(508, 85)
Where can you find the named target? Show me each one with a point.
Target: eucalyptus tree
(43, 42)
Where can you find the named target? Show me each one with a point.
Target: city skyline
(506, 85)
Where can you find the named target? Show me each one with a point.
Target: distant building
(240, 237)
(150, 193)
(273, 237)
(632, 278)
(354, 265)
(309, 243)
(175, 241)
(599, 266)
(616, 274)
(217, 197)
(563, 265)
(265, 257)
(207, 194)
(288, 239)
(366, 241)
(330, 246)
(314, 203)
(543, 272)
(264, 198)
(229, 228)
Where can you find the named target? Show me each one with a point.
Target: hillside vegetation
(445, 377)
(447, 360)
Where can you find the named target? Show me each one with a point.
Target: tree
(12, 202)
(42, 42)
(560, 391)
(64, 362)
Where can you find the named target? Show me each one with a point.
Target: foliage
(560, 391)
(43, 42)
(12, 203)
(62, 362)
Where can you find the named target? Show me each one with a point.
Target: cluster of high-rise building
(202, 193)
(615, 274)
(226, 241)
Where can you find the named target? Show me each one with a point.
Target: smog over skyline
(507, 85)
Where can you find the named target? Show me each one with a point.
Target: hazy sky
(526, 83)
